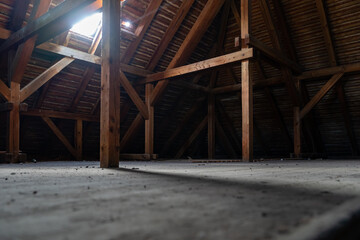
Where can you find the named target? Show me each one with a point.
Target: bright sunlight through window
(88, 25)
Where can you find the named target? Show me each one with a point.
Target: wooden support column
(211, 118)
(110, 86)
(79, 139)
(149, 123)
(297, 132)
(14, 123)
(246, 88)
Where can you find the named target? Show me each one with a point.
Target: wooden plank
(60, 135)
(202, 65)
(326, 32)
(191, 41)
(86, 57)
(297, 132)
(273, 54)
(60, 115)
(140, 31)
(4, 90)
(58, 19)
(125, 83)
(110, 86)
(169, 34)
(79, 139)
(43, 78)
(149, 123)
(6, 107)
(320, 94)
(24, 51)
(191, 139)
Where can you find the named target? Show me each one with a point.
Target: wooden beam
(323, 72)
(140, 31)
(56, 21)
(125, 83)
(60, 115)
(320, 94)
(43, 78)
(246, 88)
(202, 65)
(24, 51)
(79, 139)
(149, 123)
(86, 57)
(60, 136)
(169, 34)
(191, 41)
(212, 118)
(191, 139)
(297, 132)
(4, 90)
(273, 54)
(326, 32)
(14, 123)
(110, 86)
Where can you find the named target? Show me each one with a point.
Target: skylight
(88, 25)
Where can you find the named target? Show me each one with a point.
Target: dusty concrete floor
(171, 200)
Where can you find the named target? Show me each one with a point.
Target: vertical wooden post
(297, 132)
(14, 123)
(211, 126)
(246, 88)
(110, 86)
(78, 139)
(149, 124)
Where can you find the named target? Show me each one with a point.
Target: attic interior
(207, 106)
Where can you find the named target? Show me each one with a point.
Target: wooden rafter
(24, 50)
(60, 115)
(140, 31)
(4, 90)
(189, 44)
